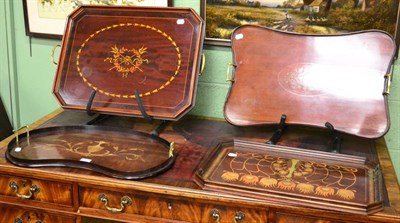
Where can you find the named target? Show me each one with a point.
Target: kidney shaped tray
(291, 176)
(116, 152)
(118, 55)
(312, 79)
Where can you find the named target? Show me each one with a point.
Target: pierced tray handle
(52, 53)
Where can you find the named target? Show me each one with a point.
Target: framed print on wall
(46, 18)
(302, 16)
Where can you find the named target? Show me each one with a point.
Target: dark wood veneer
(122, 54)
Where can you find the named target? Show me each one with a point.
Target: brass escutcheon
(214, 213)
(239, 217)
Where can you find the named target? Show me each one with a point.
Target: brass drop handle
(239, 217)
(19, 220)
(32, 190)
(214, 213)
(125, 201)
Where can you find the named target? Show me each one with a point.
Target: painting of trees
(368, 14)
(302, 16)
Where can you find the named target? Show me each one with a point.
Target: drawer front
(164, 207)
(293, 218)
(36, 190)
(17, 215)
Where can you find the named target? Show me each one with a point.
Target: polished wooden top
(194, 139)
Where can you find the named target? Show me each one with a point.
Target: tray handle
(203, 63)
(388, 82)
(17, 134)
(52, 53)
(229, 78)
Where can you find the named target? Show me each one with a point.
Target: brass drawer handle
(19, 220)
(239, 217)
(125, 201)
(214, 213)
(32, 190)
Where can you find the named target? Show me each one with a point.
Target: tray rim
(194, 70)
(128, 175)
(208, 166)
(320, 126)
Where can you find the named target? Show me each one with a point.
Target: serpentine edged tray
(116, 152)
(342, 79)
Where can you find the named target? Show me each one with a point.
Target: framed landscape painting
(301, 16)
(46, 18)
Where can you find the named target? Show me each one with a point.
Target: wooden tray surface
(117, 152)
(312, 79)
(292, 176)
(115, 51)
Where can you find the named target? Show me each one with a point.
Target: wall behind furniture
(27, 72)
(5, 52)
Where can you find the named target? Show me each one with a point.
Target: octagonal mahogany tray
(299, 177)
(116, 152)
(312, 79)
(120, 54)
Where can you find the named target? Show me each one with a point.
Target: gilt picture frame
(46, 18)
(301, 16)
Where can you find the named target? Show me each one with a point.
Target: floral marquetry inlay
(291, 175)
(127, 61)
(97, 149)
